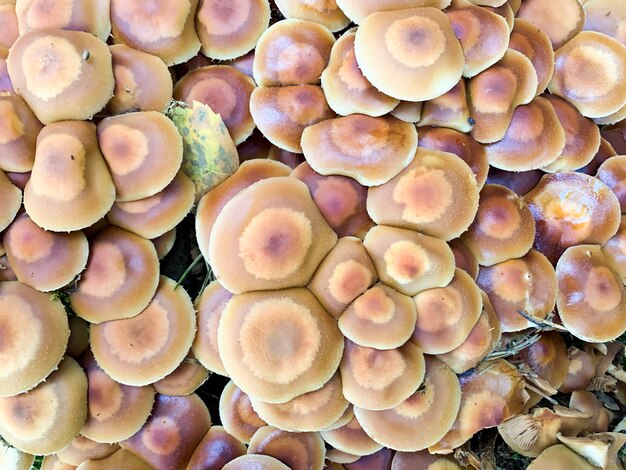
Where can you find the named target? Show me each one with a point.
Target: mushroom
(82, 448)
(520, 182)
(605, 16)
(463, 258)
(291, 159)
(11, 201)
(164, 243)
(545, 362)
(62, 75)
(9, 21)
(215, 450)
(339, 457)
(257, 462)
(587, 402)
(600, 449)
(344, 419)
(255, 147)
(580, 372)
(5, 80)
(237, 415)
(561, 20)
(408, 111)
(615, 251)
(359, 10)
(605, 152)
(613, 173)
(297, 450)
(119, 459)
(324, 12)
(559, 457)
(450, 110)
(379, 460)
(53, 462)
(351, 438)
(184, 380)
(423, 460)
(18, 134)
(35, 332)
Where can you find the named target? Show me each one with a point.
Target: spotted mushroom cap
(11, 201)
(18, 134)
(324, 12)
(561, 20)
(297, 450)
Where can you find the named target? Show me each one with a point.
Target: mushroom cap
(295, 352)
(351, 438)
(417, 44)
(262, 240)
(291, 159)
(142, 81)
(615, 251)
(227, 31)
(581, 369)
(296, 450)
(34, 331)
(184, 380)
(119, 459)
(256, 462)
(371, 150)
(520, 182)
(44, 260)
(450, 110)
(9, 21)
(560, 457)
(47, 418)
(434, 187)
(613, 173)
(164, 243)
(561, 20)
(587, 402)
(324, 12)
(344, 419)
(215, 450)
(292, 52)
(339, 457)
(82, 448)
(606, 16)
(379, 460)
(120, 279)
(359, 10)
(591, 299)
(423, 460)
(11, 197)
(546, 359)
(605, 151)
(408, 111)
(20, 128)
(49, 70)
(237, 415)
(158, 27)
(143, 151)
(420, 420)
(463, 258)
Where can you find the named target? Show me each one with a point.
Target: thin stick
(188, 270)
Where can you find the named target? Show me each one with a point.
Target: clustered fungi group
(427, 213)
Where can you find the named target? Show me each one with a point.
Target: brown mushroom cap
(324, 12)
(408, 111)
(560, 457)
(119, 459)
(587, 402)
(371, 150)
(571, 209)
(561, 20)
(121, 277)
(276, 345)
(297, 450)
(358, 11)
(82, 448)
(11, 197)
(408, 261)
(589, 289)
(379, 460)
(44, 260)
(463, 258)
(227, 31)
(615, 251)
(613, 173)
(160, 28)
(62, 75)
(47, 418)
(34, 332)
(434, 187)
(70, 187)
(19, 130)
(400, 51)
(143, 151)
(256, 462)
(581, 369)
(237, 415)
(346, 89)
(262, 240)
(536, 45)
(546, 359)
(423, 460)
(420, 420)
(351, 438)
(184, 380)
(215, 450)
(292, 52)
(164, 243)
(450, 110)
(606, 16)
(521, 182)
(589, 72)
(283, 113)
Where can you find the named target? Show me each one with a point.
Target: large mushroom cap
(357, 11)
(560, 20)
(324, 12)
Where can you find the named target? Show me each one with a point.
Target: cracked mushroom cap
(44, 260)
(19, 128)
(230, 30)
(158, 27)
(423, 460)
(400, 51)
(11, 197)
(449, 110)
(62, 75)
(34, 331)
(256, 462)
(147, 347)
(310, 343)
(536, 45)
(184, 380)
(561, 20)
(237, 415)
(296, 450)
(324, 12)
(215, 450)
(591, 299)
(420, 420)
(121, 276)
(434, 187)
(143, 151)
(371, 150)
(70, 187)
(262, 240)
(47, 418)
(351, 438)
(82, 448)
(613, 173)
(119, 459)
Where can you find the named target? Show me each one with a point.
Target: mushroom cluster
(423, 236)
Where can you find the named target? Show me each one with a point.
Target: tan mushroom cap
(351, 438)
(230, 30)
(282, 113)
(119, 459)
(600, 449)
(121, 276)
(589, 73)
(463, 258)
(343, 275)
(546, 359)
(408, 111)
(184, 380)
(44, 260)
(339, 457)
(495, 93)
(423, 418)
(324, 12)
(380, 318)
(47, 418)
(345, 418)
(70, 187)
(152, 216)
(450, 110)
(435, 187)
(296, 450)
(237, 415)
(292, 52)
(484, 35)
(613, 173)
(346, 89)
(341, 200)
(158, 27)
(62, 75)
(172, 433)
(34, 333)
(9, 21)
(226, 91)
(561, 20)
(590, 289)
(262, 240)
(572, 209)
(617, 116)
(276, 345)
(504, 227)
(256, 462)
(587, 402)
(490, 394)
(164, 243)
(536, 45)
(19, 130)
(582, 137)
(408, 261)
(357, 11)
(14, 459)
(377, 379)
(581, 369)
(527, 283)
(615, 251)
(143, 151)
(446, 315)
(560, 457)
(606, 16)
(400, 51)
(423, 460)
(11, 197)
(310, 412)
(82, 448)
(371, 150)
(215, 450)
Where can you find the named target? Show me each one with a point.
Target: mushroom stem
(616, 372)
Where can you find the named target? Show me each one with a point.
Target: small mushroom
(587, 402)
(408, 111)
(463, 258)
(423, 460)
(351, 438)
(546, 360)
(215, 450)
(53, 462)
(82, 448)
(11, 201)
(164, 243)
(297, 450)
(119, 459)
(615, 251)
(184, 380)
(613, 173)
(605, 152)
(561, 20)
(324, 12)
(257, 462)
(237, 415)
(607, 17)
(379, 460)
(18, 134)
(581, 369)
(450, 110)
